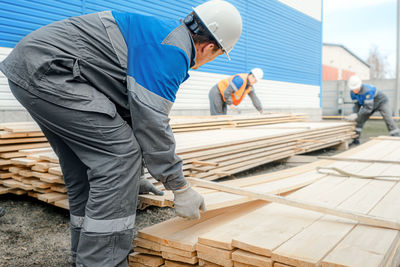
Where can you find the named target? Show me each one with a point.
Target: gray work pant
(217, 104)
(386, 113)
(101, 162)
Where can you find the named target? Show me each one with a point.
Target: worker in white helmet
(101, 87)
(367, 100)
(231, 91)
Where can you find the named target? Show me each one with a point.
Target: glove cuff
(180, 191)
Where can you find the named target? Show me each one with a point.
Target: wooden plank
(183, 253)
(214, 252)
(7, 148)
(140, 242)
(56, 170)
(176, 257)
(370, 220)
(5, 174)
(4, 190)
(251, 258)
(205, 263)
(216, 260)
(22, 140)
(178, 264)
(52, 197)
(182, 234)
(362, 201)
(63, 203)
(148, 251)
(23, 161)
(361, 246)
(148, 260)
(6, 134)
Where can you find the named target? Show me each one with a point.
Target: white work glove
(146, 187)
(352, 117)
(188, 202)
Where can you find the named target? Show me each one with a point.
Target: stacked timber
(214, 154)
(201, 123)
(207, 154)
(257, 233)
(13, 138)
(218, 153)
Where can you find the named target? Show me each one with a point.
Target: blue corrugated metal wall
(282, 41)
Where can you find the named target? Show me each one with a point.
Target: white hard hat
(257, 73)
(223, 21)
(354, 82)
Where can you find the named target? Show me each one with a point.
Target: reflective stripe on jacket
(240, 93)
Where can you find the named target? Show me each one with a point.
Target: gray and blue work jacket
(367, 100)
(112, 62)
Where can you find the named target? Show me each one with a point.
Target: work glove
(146, 187)
(188, 202)
(352, 117)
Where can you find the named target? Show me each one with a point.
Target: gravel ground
(33, 233)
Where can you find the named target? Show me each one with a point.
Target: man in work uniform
(367, 99)
(231, 91)
(101, 87)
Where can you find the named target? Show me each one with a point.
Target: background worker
(101, 87)
(231, 91)
(367, 99)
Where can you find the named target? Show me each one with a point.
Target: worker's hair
(199, 32)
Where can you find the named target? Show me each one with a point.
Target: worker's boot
(2, 212)
(356, 141)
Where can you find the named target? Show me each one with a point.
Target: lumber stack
(256, 233)
(39, 175)
(209, 155)
(201, 123)
(13, 138)
(214, 154)
(218, 153)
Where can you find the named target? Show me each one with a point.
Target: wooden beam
(362, 218)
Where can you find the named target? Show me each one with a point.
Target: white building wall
(7, 100)
(340, 58)
(311, 8)
(274, 95)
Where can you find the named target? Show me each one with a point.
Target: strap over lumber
(342, 173)
(361, 160)
(362, 218)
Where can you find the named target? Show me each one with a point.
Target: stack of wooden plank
(218, 153)
(214, 154)
(257, 233)
(201, 123)
(39, 175)
(14, 137)
(207, 154)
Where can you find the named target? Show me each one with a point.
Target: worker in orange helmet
(231, 91)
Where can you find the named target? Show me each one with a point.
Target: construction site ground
(33, 233)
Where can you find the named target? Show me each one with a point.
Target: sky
(360, 25)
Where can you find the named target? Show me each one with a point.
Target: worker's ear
(207, 48)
